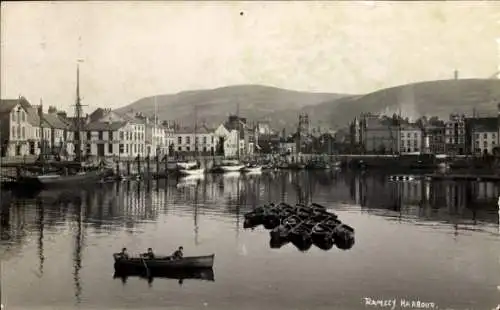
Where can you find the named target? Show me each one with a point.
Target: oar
(146, 266)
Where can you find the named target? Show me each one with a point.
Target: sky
(132, 50)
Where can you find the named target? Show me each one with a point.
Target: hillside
(256, 102)
(431, 98)
(282, 107)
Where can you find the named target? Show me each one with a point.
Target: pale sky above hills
(137, 49)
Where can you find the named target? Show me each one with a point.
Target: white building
(113, 134)
(230, 141)
(201, 141)
(16, 129)
(484, 133)
(410, 139)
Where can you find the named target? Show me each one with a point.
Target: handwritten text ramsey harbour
(398, 303)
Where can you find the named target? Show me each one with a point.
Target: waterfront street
(435, 242)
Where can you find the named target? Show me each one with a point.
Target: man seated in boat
(124, 254)
(149, 254)
(178, 254)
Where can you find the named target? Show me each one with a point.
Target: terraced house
(483, 133)
(107, 133)
(16, 130)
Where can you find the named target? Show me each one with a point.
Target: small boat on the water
(136, 264)
(186, 164)
(252, 168)
(322, 236)
(192, 171)
(58, 180)
(231, 166)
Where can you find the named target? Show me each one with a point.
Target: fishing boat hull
(251, 169)
(57, 180)
(200, 171)
(231, 168)
(137, 264)
(186, 165)
(206, 274)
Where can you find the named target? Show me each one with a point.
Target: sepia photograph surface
(281, 155)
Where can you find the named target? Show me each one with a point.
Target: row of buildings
(459, 135)
(28, 129)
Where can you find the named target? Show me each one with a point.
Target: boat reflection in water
(204, 274)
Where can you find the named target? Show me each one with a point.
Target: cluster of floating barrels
(301, 225)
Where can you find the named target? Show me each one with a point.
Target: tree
(52, 109)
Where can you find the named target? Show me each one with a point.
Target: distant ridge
(281, 107)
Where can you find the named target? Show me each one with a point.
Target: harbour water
(432, 242)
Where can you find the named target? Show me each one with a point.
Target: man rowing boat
(178, 254)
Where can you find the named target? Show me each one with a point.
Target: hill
(433, 98)
(255, 102)
(282, 107)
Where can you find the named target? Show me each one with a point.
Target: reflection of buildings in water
(422, 198)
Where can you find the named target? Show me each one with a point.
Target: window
(179, 148)
(121, 136)
(179, 140)
(126, 148)
(88, 149)
(188, 148)
(14, 132)
(23, 133)
(110, 148)
(188, 140)
(89, 135)
(13, 116)
(485, 136)
(23, 116)
(110, 135)
(100, 135)
(204, 140)
(19, 131)
(121, 148)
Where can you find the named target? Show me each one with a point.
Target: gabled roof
(199, 130)
(54, 121)
(6, 105)
(101, 126)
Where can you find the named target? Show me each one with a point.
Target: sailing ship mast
(78, 115)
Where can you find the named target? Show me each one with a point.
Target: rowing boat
(162, 262)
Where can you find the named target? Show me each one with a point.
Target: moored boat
(59, 180)
(192, 171)
(253, 168)
(231, 166)
(161, 262)
(186, 164)
(322, 236)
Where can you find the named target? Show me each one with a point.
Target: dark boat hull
(60, 180)
(206, 274)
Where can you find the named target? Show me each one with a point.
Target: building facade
(410, 139)
(379, 137)
(455, 135)
(483, 135)
(190, 141)
(228, 141)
